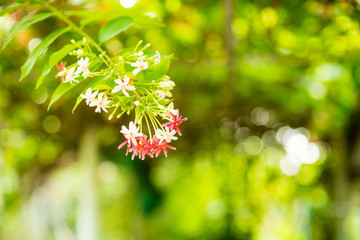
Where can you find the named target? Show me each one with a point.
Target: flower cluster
(138, 144)
(132, 82)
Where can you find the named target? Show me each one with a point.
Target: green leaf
(24, 24)
(100, 16)
(10, 9)
(59, 91)
(45, 71)
(155, 72)
(148, 21)
(97, 16)
(114, 27)
(40, 49)
(55, 58)
(59, 55)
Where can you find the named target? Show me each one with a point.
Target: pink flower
(142, 149)
(175, 123)
(62, 70)
(161, 147)
(128, 146)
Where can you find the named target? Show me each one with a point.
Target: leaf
(100, 16)
(10, 9)
(59, 91)
(59, 55)
(55, 58)
(155, 72)
(45, 71)
(24, 24)
(148, 21)
(114, 27)
(40, 49)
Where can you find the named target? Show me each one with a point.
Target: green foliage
(114, 27)
(296, 61)
(10, 9)
(40, 49)
(155, 72)
(55, 58)
(24, 24)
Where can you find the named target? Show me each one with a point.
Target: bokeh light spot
(127, 3)
(33, 44)
(51, 124)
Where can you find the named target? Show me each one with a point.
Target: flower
(70, 76)
(132, 133)
(128, 146)
(160, 93)
(140, 65)
(123, 86)
(83, 67)
(79, 52)
(166, 135)
(174, 124)
(157, 58)
(167, 84)
(171, 109)
(100, 103)
(89, 96)
(160, 146)
(142, 148)
(62, 70)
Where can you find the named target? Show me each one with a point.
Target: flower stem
(147, 123)
(79, 30)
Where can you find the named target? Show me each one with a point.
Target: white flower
(137, 103)
(157, 58)
(79, 52)
(83, 67)
(171, 109)
(100, 103)
(89, 96)
(166, 135)
(167, 84)
(62, 73)
(160, 93)
(132, 133)
(123, 86)
(86, 73)
(70, 76)
(140, 65)
(168, 94)
(140, 53)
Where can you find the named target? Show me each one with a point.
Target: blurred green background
(271, 149)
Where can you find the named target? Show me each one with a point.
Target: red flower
(145, 147)
(175, 123)
(142, 148)
(163, 147)
(61, 68)
(128, 146)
